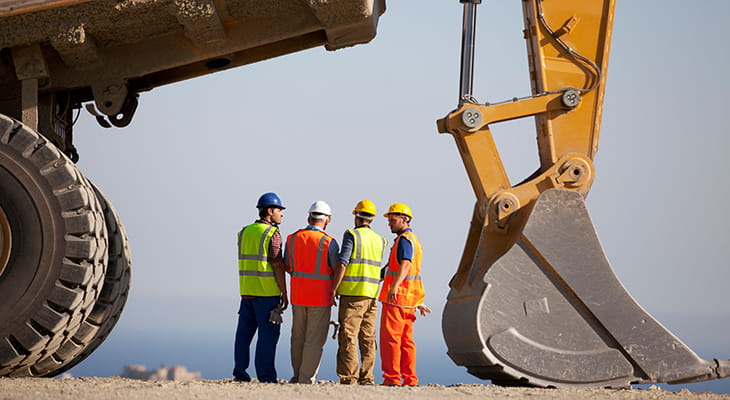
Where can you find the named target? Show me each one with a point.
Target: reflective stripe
(318, 265)
(408, 277)
(255, 257)
(358, 248)
(365, 261)
(262, 243)
(360, 279)
(311, 275)
(255, 273)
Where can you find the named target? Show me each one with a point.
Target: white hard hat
(320, 210)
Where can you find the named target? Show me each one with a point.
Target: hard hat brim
(363, 215)
(396, 213)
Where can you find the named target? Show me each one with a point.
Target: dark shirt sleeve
(348, 245)
(333, 253)
(405, 249)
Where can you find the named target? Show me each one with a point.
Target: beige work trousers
(308, 336)
(357, 316)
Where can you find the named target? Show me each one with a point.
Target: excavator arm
(534, 300)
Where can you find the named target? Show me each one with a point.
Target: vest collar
(263, 221)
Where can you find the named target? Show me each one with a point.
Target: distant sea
(212, 355)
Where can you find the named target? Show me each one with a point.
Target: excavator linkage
(535, 301)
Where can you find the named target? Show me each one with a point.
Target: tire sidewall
(35, 261)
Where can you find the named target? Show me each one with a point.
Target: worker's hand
(392, 295)
(275, 316)
(335, 296)
(336, 325)
(423, 310)
(284, 301)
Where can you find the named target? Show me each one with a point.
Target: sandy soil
(128, 389)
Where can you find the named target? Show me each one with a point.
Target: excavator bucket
(535, 301)
(551, 312)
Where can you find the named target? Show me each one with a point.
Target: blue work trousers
(253, 315)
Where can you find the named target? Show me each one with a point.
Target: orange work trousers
(397, 348)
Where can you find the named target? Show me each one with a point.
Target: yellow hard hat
(365, 206)
(399, 208)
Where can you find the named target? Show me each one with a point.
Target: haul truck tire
(53, 254)
(114, 292)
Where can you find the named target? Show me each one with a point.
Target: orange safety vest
(311, 274)
(410, 292)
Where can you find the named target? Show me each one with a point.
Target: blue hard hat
(269, 200)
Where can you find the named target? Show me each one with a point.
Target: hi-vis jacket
(256, 273)
(410, 292)
(362, 275)
(311, 274)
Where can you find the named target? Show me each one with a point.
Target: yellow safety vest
(362, 275)
(256, 273)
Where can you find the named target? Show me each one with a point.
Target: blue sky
(360, 123)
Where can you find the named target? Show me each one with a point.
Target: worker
(309, 257)
(356, 283)
(263, 291)
(402, 294)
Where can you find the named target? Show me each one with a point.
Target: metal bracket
(109, 96)
(121, 118)
(30, 63)
(574, 173)
(567, 26)
(504, 205)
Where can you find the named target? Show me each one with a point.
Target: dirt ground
(128, 389)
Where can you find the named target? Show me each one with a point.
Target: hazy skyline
(185, 175)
